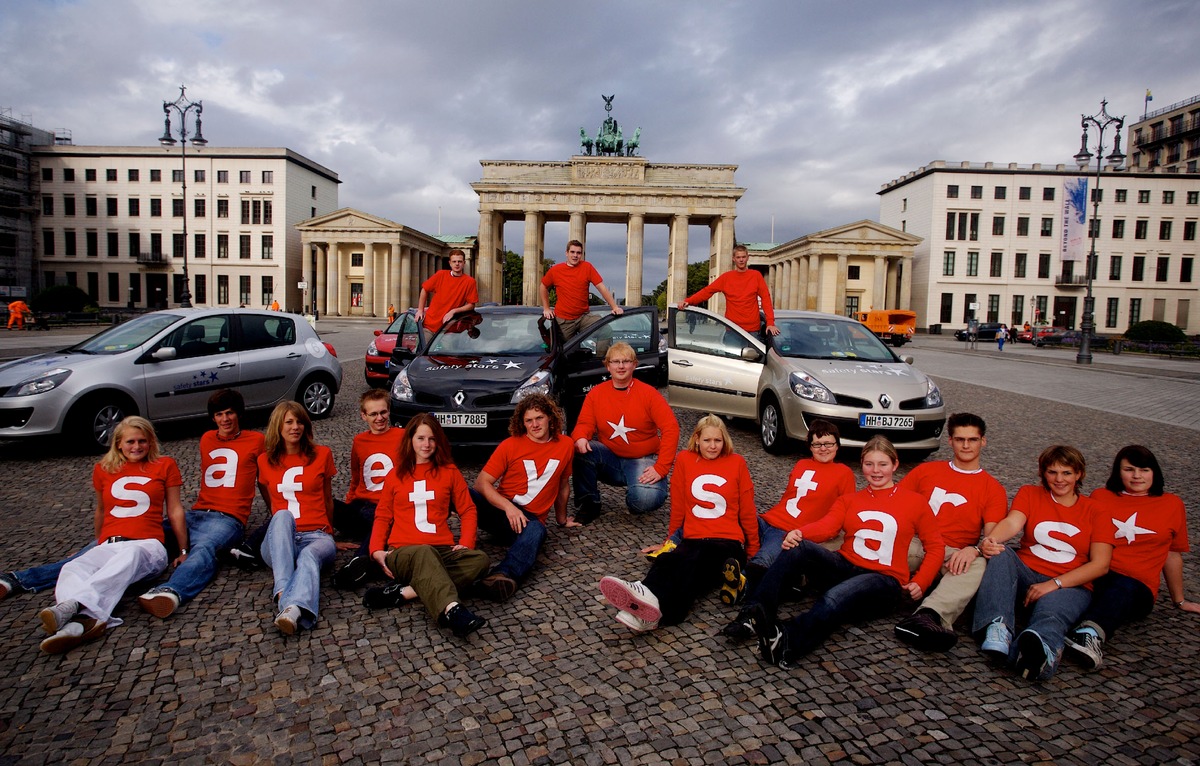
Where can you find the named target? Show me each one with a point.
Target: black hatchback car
(986, 331)
(471, 374)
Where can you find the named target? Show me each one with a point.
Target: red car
(379, 352)
(1042, 332)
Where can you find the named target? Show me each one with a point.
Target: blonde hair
(274, 448)
(621, 350)
(880, 444)
(710, 421)
(114, 460)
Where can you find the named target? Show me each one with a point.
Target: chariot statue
(609, 140)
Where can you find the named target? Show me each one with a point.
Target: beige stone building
(1167, 139)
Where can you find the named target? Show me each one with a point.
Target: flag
(1148, 96)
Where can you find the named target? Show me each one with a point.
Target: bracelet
(978, 549)
(183, 551)
(1058, 582)
(1179, 604)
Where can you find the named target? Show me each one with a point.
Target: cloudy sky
(818, 103)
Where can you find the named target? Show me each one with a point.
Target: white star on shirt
(512, 365)
(620, 430)
(1129, 529)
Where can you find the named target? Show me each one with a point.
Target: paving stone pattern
(553, 678)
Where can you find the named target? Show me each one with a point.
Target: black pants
(685, 574)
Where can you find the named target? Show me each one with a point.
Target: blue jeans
(601, 464)
(1116, 600)
(40, 578)
(209, 534)
(770, 544)
(1004, 584)
(522, 548)
(296, 559)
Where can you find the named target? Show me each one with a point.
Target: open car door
(712, 364)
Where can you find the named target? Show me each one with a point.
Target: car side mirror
(378, 333)
(751, 354)
(906, 359)
(164, 354)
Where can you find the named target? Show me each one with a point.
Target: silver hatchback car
(164, 366)
(819, 366)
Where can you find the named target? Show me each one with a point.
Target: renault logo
(458, 398)
(885, 401)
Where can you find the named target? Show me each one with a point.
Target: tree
(1159, 332)
(697, 279)
(514, 277)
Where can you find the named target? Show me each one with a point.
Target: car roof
(795, 314)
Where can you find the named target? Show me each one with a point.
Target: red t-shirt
(1145, 530)
(962, 501)
(812, 488)
(229, 473)
(298, 487)
(632, 422)
(714, 499)
(373, 457)
(414, 509)
(449, 292)
(134, 498)
(571, 282)
(531, 474)
(742, 290)
(1057, 538)
(879, 527)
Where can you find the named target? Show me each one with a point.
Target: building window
(114, 244)
(222, 176)
(951, 192)
(244, 289)
(135, 244)
(244, 246)
(998, 225)
(48, 174)
(968, 306)
(853, 272)
(89, 174)
(222, 208)
(1093, 228)
(90, 206)
(133, 175)
(267, 212)
(1048, 193)
(1139, 268)
(1047, 227)
(198, 206)
(201, 247)
(268, 176)
(91, 241)
(1118, 228)
(1189, 231)
(47, 205)
(201, 295)
(244, 176)
(1135, 310)
(902, 209)
(1164, 229)
(69, 204)
(69, 243)
(268, 290)
(1163, 266)
(1097, 195)
(177, 208)
(947, 315)
(356, 294)
(156, 243)
(948, 263)
(222, 245)
(256, 212)
(1019, 266)
(199, 176)
(176, 176)
(1185, 269)
(223, 289)
(356, 260)
(976, 192)
(114, 287)
(245, 212)
(178, 245)
(1024, 192)
(1018, 310)
(155, 176)
(110, 206)
(268, 247)
(1144, 196)
(1039, 308)
(155, 207)
(1110, 312)
(1001, 192)
(47, 241)
(1168, 198)
(1114, 267)
(1193, 198)
(135, 207)
(993, 309)
(1068, 272)
(177, 285)
(1023, 226)
(68, 174)
(972, 264)
(1122, 195)
(1140, 229)
(996, 264)
(851, 305)
(1043, 265)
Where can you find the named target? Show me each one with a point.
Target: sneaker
(1034, 661)
(288, 621)
(461, 621)
(632, 597)
(8, 586)
(1086, 648)
(666, 547)
(637, 624)
(159, 602)
(772, 640)
(73, 634)
(55, 618)
(386, 597)
(733, 589)
(497, 586)
(353, 574)
(245, 558)
(925, 631)
(741, 629)
(588, 511)
(996, 641)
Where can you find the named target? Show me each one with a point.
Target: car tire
(771, 430)
(316, 396)
(93, 419)
(898, 342)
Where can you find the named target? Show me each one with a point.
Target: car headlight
(372, 350)
(401, 388)
(806, 386)
(539, 382)
(933, 394)
(41, 383)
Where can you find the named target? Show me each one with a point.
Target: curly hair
(542, 403)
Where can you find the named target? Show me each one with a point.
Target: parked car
(164, 365)
(474, 370)
(1039, 332)
(986, 331)
(405, 329)
(819, 366)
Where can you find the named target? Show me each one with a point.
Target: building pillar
(394, 296)
(406, 278)
(840, 296)
(879, 284)
(487, 256)
(333, 272)
(369, 303)
(800, 282)
(321, 278)
(306, 273)
(814, 282)
(892, 294)
(577, 229)
(343, 281)
(633, 259)
(532, 273)
(772, 276)
(782, 296)
(677, 260)
(906, 267)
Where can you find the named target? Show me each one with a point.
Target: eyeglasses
(622, 361)
(823, 445)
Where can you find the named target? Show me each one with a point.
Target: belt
(116, 539)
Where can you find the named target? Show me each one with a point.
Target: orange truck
(894, 326)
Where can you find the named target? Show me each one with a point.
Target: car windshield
(128, 335)
(811, 338)
(492, 334)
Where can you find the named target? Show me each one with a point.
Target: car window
(200, 337)
(707, 335)
(494, 334)
(125, 336)
(266, 331)
(634, 329)
(810, 338)
(407, 331)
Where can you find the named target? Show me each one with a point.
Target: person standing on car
(570, 281)
(743, 288)
(454, 292)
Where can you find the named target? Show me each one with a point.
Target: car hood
(847, 376)
(434, 372)
(12, 373)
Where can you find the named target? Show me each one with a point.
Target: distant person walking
(570, 281)
(454, 292)
(17, 311)
(1001, 336)
(743, 289)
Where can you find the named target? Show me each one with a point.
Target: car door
(712, 364)
(580, 365)
(410, 343)
(182, 369)
(270, 358)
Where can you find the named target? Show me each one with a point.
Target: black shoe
(772, 640)
(588, 511)
(460, 621)
(924, 631)
(386, 597)
(245, 558)
(741, 629)
(353, 574)
(1034, 662)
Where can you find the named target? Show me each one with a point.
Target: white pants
(99, 577)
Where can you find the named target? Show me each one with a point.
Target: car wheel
(771, 429)
(316, 396)
(898, 342)
(93, 420)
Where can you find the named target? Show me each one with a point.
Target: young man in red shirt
(524, 478)
(571, 282)
(968, 503)
(453, 291)
(743, 289)
(626, 435)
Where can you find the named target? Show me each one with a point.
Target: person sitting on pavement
(1150, 536)
(865, 579)
(296, 475)
(968, 503)
(712, 503)
(1062, 551)
(134, 485)
(744, 288)
(524, 478)
(454, 293)
(637, 438)
(373, 457)
(570, 281)
(412, 541)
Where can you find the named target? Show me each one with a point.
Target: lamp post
(182, 107)
(1084, 158)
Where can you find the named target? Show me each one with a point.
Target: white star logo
(490, 361)
(512, 365)
(620, 430)
(1129, 529)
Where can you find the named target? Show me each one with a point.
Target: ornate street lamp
(1083, 159)
(182, 107)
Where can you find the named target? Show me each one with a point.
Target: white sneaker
(636, 623)
(288, 621)
(632, 597)
(55, 618)
(159, 602)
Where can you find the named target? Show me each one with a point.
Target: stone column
(577, 229)
(369, 302)
(772, 279)
(333, 273)
(306, 273)
(892, 296)
(677, 260)
(487, 257)
(406, 278)
(343, 283)
(394, 296)
(321, 278)
(532, 273)
(840, 296)
(800, 282)
(633, 259)
(814, 282)
(906, 267)
(781, 296)
(879, 285)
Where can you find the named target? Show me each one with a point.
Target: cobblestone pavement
(553, 678)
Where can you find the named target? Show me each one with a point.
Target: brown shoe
(497, 586)
(74, 633)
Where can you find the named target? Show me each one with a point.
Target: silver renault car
(164, 366)
(819, 366)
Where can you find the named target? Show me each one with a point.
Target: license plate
(901, 422)
(467, 419)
